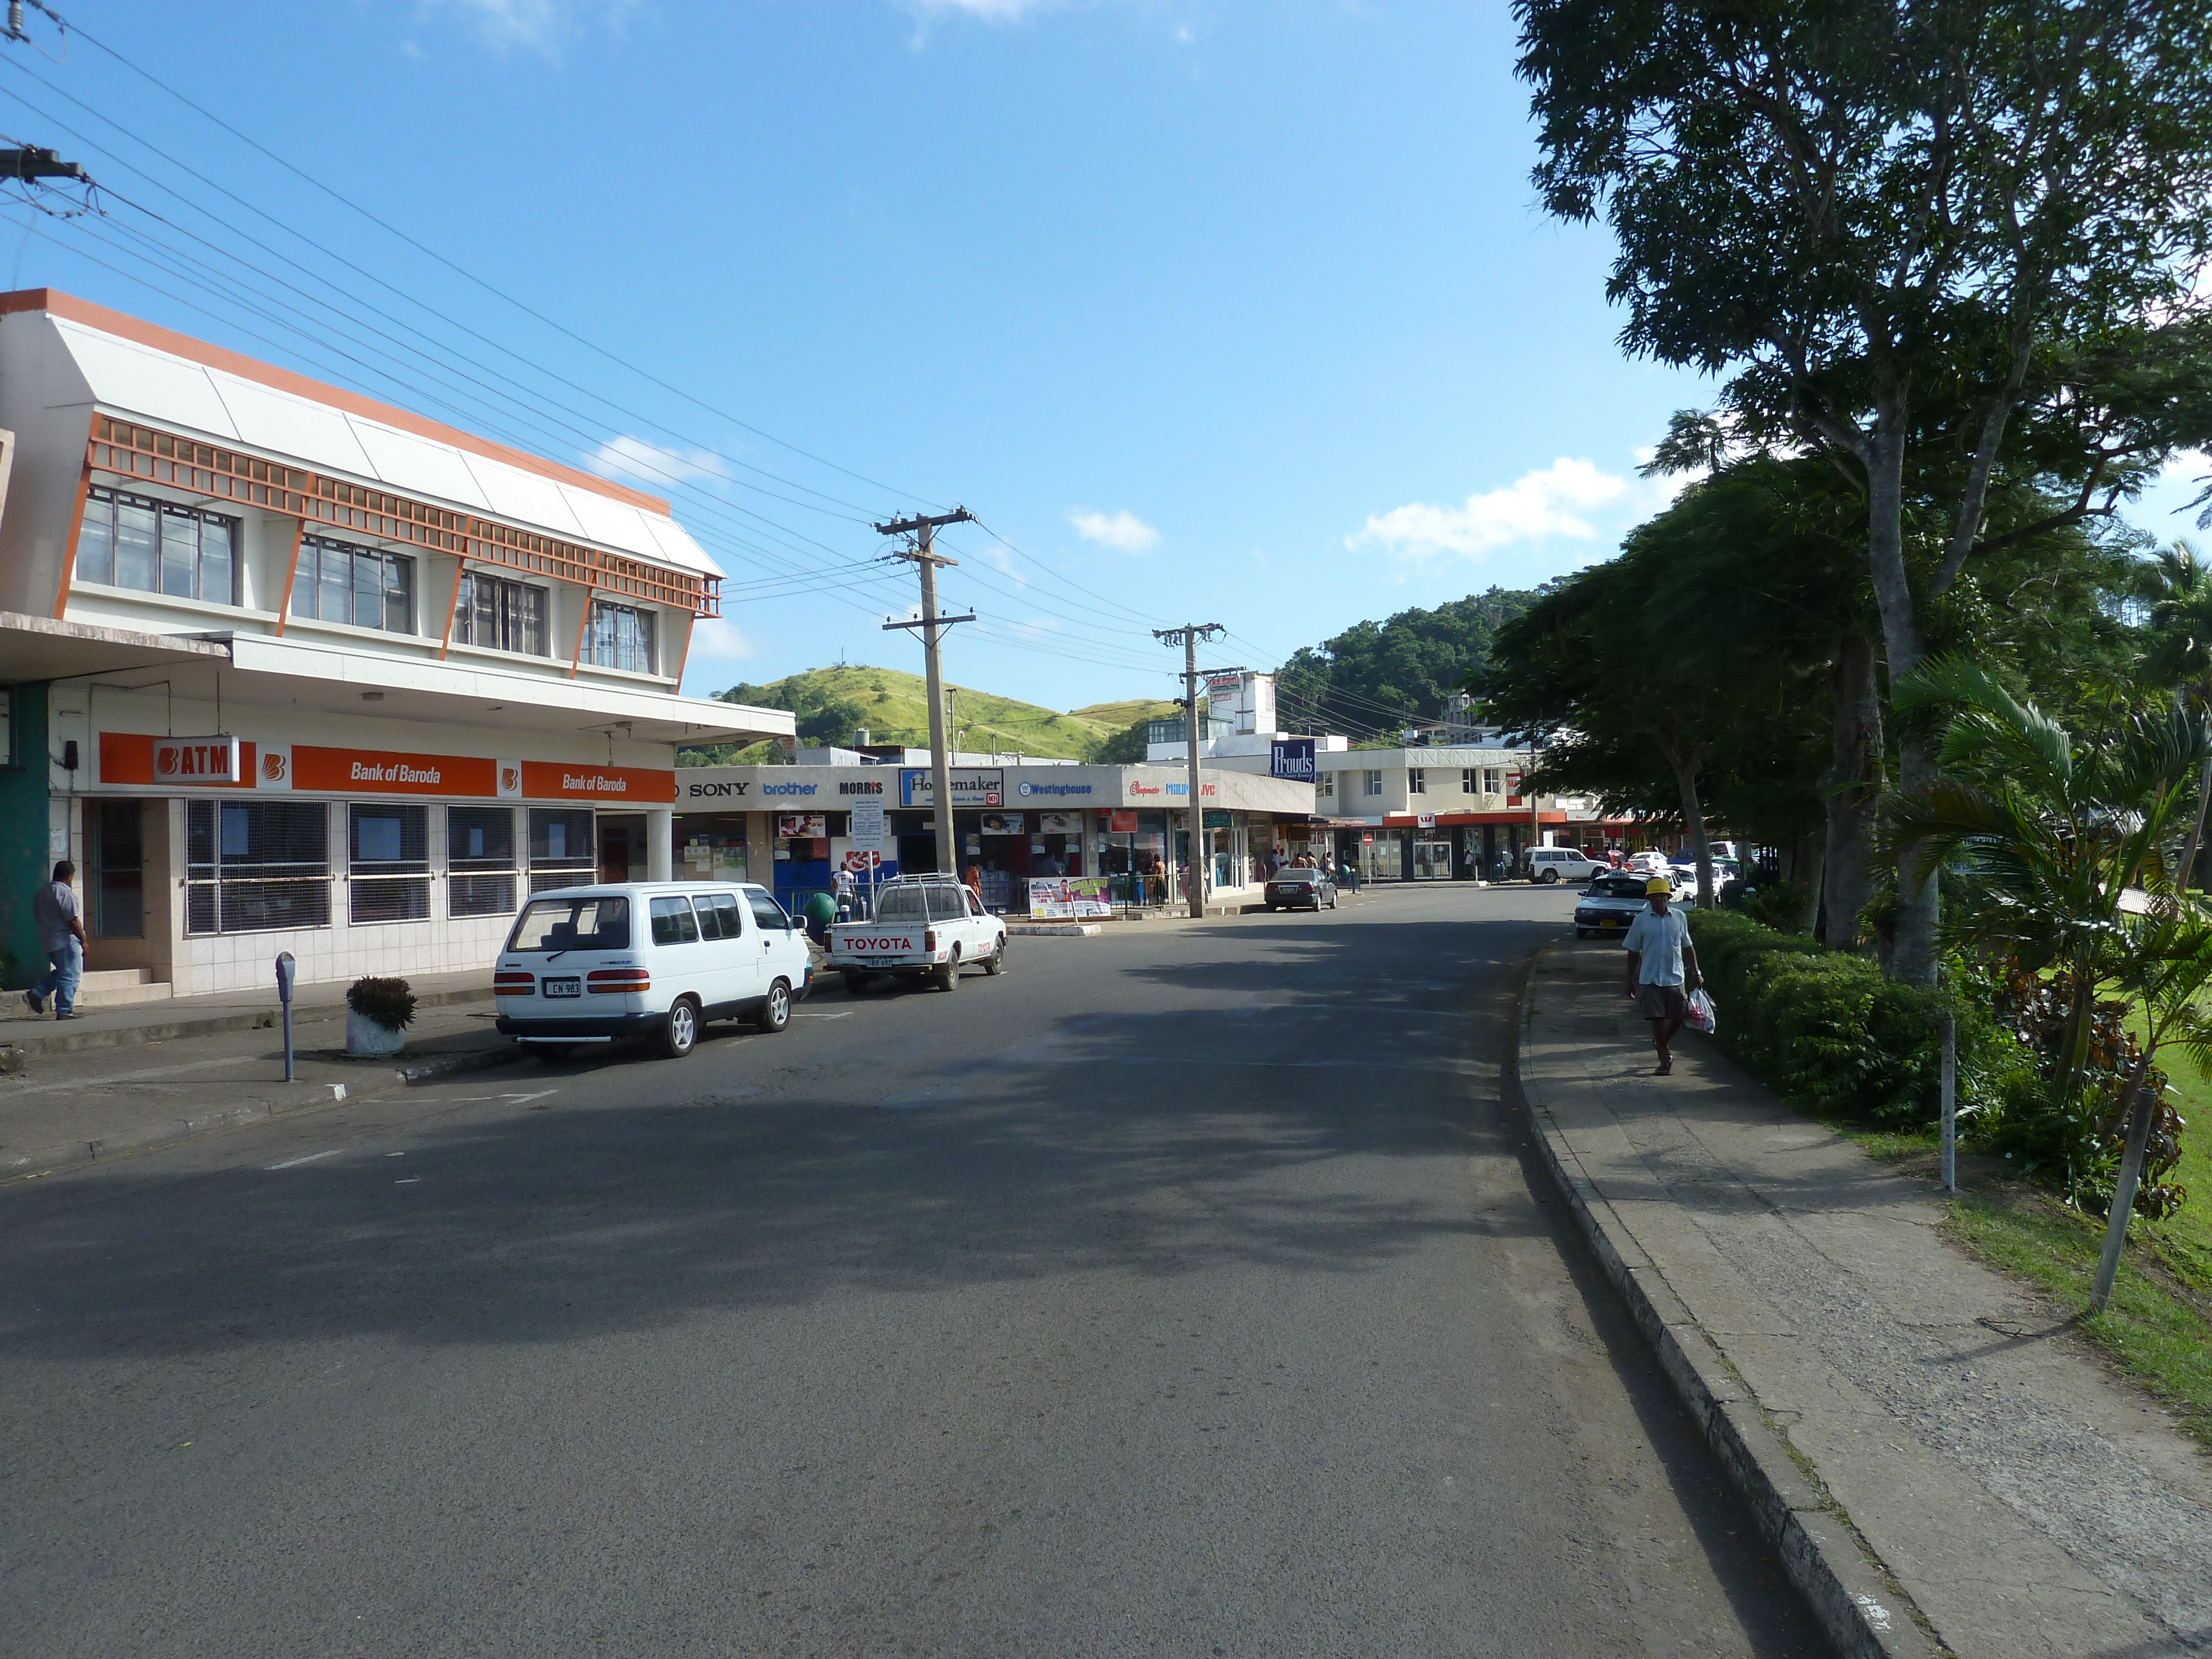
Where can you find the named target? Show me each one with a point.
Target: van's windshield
(600, 922)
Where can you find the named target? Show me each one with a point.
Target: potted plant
(378, 1014)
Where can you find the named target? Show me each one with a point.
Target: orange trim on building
(69, 549)
(452, 607)
(127, 758)
(56, 303)
(291, 575)
(383, 772)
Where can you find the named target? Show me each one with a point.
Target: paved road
(1184, 1292)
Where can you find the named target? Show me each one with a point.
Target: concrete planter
(365, 1036)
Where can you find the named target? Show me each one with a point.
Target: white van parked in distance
(654, 960)
(1550, 863)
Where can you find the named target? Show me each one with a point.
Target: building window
(1467, 781)
(560, 852)
(479, 860)
(503, 615)
(1328, 786)
(158, 547)
(1417, 781)
(1493, 781)
(359, 585)
(390, 866)
(620, 637)
(1370, 782)
(255, 866)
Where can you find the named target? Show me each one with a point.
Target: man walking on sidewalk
(61, 936)
(1662, 966)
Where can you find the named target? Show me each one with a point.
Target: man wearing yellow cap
(1662, 965)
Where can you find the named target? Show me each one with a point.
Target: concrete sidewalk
(1931, 1451)
(69, 1105)
(205, 1015)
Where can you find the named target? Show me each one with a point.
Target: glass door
(118, 871)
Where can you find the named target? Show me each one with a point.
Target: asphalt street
(1185, 1290)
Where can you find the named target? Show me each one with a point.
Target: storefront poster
(1060, 823)
(1058, 896)
(867, 826)
(1121, 823)
(1003, 823)
(792, 826)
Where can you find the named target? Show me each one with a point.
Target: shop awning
(41, 648)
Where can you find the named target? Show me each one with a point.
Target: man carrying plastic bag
(1662, 967)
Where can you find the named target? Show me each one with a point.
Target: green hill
(892, 706)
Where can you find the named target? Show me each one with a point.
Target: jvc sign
(1292, 759)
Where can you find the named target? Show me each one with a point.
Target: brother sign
(1293, 759)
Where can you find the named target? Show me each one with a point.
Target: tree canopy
(1376, 679)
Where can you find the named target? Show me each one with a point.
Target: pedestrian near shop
(1662, 967)
(847, 891)
(60, 927)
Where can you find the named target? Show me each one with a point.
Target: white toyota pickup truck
(925, 927)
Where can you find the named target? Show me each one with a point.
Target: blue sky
(1235, 312)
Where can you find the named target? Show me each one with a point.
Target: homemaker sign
(971, 786)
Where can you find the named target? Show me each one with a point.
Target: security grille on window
(1417, 781)
(390, 866)
(359, 585)
(561, 849)
(158, 547)
(1371, 782)
(254, 867)
(479, 860)
(1466, 780)
(503, 615)
(1493, 781)
(620, 637)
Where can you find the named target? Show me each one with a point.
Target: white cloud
(715, 642)
(1124, 531)
(1535, 506)
(652, 465)
(540, 25)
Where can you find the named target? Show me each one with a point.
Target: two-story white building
(287, 669)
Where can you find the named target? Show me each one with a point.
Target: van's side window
(673, 922)
(768, 913)
(710, 925)
(732, 920)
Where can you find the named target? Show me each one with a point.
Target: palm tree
(2180, 586)
(2049, 837)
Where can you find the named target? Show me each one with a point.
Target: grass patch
(2153, 1330)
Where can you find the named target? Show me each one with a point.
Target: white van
(1551, 864)
(592, 965)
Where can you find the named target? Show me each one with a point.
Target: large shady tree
(1926, 240)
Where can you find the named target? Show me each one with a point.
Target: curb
(1056, 929)
(1863, 1613)
(314, 1096)
(43, 1038)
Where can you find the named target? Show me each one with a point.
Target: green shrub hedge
(1825, 1027)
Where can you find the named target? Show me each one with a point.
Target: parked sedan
(1301, 889)
(1610, 903)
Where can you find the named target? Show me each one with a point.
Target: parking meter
(285, 969)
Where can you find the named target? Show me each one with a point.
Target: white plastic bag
(1701, 1013)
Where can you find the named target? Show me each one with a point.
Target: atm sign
(198, 760)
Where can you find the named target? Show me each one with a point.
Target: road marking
(808, 1013)
(465, 1100)
(295, 1163)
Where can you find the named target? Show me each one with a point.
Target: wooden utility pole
(1187, 637)
(922, 528)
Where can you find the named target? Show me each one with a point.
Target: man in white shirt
(1662, 966)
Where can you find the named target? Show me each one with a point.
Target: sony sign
(1291, 758)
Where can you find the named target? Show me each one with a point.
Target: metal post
(2124, 1190)
(285, 968)
(1197, 801)
(1950, 1102)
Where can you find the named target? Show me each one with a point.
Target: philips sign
(1292, 759)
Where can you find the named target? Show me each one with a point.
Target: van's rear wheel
(948, 976)
(679, 1034)
(775, 1008)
